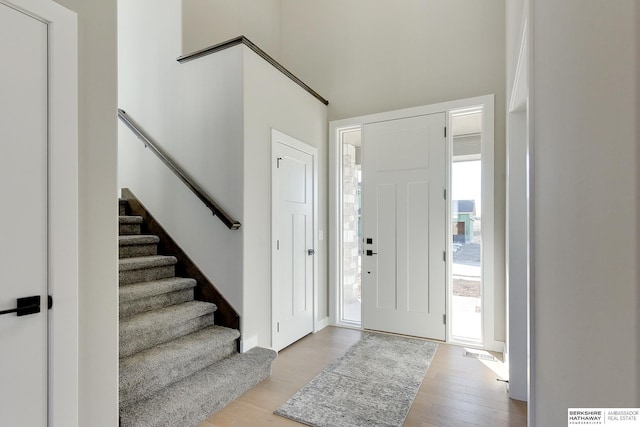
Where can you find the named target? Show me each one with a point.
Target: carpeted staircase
(176, 366)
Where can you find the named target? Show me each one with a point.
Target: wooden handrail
(243, 40)
(231, 223)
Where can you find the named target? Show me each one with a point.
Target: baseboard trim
(499, 346)
(321, 324)
(247, 344)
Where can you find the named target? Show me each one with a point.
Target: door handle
(311, 251)
(370, 252)
(26, 305)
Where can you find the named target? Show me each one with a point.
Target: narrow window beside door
(466, 228)
(351, 292)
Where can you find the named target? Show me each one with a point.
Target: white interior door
(293, 247)
(23, 217)
(403, 271)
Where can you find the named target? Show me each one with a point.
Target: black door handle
(27, 305)
(370, 252)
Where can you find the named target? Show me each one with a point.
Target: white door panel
(293, 209)
(23, 217)
(404, 215)
(386, 296)
(418, 298)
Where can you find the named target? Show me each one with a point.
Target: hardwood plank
(457, 390)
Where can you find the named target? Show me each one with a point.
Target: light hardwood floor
(456, 391)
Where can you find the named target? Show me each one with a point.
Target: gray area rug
(373, 384)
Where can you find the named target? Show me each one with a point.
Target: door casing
(490, 274)
(278, 137)
(62, 206)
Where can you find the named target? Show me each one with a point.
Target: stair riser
(142, 305)
(132, 251)
(151, 382)
(146, 274)
(122, 209)
(133, 341)
(129, 229)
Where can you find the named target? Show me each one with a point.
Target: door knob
(27, 305)
(311, 251)
(370, 252)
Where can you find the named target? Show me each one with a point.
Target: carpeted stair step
(145, 296)
(144, 330)
(151, 370)
(137, 245)
(144, 269)
(129, 224)
(122, 206)
(196, 397)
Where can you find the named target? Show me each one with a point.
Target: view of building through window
(466, 208)
(466, 227)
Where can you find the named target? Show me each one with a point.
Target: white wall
(194, 111)
(271, 100)
(209, 22)
(517, 347)
(637, 313)
(370, 56)
(586, 185)
(517, 239)
(214, 116)
(516, 12)
(98, 268)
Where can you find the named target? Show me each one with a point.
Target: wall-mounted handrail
(243, 40)
(231, 223)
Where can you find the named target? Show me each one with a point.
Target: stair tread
(193, 399)
(152, 322)
(151, 288)
(143, 322)
(177, 350)
(137, 263)
(154, 368)
(137, 239)
(129, 219)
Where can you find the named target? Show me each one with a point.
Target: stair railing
(231, 223)
(243, 40)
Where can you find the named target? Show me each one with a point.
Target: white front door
(403, 271)
(293, 244)
(23, 217)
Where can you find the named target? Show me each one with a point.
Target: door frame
(62, 200)
(278, 137)
(336, 250)
(519, 353)
(489, 276)
(488, 254)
